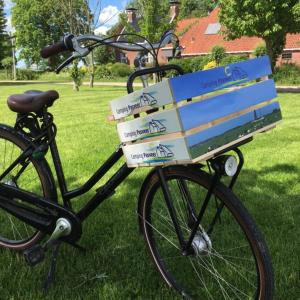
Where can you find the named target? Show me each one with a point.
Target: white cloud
(8, 4)
(109, 16)
(9, 27)
(101, 30)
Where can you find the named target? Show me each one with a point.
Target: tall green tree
(154, 17)
(270, 20)
(43, 22)
(196, 8)
(4, 42)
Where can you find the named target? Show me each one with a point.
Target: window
(286, 55)
(213, 28)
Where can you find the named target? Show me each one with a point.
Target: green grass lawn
(117, 265)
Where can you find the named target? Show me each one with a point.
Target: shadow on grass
(117, 265)
(24, 83)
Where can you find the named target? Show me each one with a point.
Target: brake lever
(65, 63)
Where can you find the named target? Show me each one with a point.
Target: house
(198, 36)
(132, 19)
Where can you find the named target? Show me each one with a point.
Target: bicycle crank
(36, 254)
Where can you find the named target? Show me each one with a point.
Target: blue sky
(107, 18)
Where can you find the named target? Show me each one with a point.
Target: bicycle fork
(219, 165)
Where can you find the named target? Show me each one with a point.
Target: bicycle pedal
(34, 255)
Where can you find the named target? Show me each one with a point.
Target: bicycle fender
(42, 161)
(153, 172)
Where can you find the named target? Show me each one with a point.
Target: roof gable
(197, 36)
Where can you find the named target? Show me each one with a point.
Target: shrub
(198, 63)
(120, 70)
(230, 59)
(103, 71)
(217, 54)
(3, 75)
(260, 50)
(26, 74)
(77, 75)
(184, 63)
(201, 62)
(287, 74)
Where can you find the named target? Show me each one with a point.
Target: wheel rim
(225, 270)
(13, 232)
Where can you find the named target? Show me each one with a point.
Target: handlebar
(76, 44)
(166, 39)
(64, 45)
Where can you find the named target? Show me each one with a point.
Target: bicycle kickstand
(51, 273)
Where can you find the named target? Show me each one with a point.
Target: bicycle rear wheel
(34, 177)
(229, 258)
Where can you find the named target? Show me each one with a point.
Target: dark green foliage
(196, 8)
(218, 53)
(271, 20)
(104, 55)
(230, 59)
(260, 50)
(120, 70)
(7, 65)
(110, 71)
(197, 63)
(287, 74)
(103, 71)
(184, 63)
(4, 38)
(27, 74)
(42, 22)
(154, 18)
(77, 75)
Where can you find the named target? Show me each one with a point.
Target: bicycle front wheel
(228, 258)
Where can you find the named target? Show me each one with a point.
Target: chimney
(174, 9)
(131, 15)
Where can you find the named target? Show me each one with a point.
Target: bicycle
(201, 238)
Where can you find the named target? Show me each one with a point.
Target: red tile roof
(194, 40)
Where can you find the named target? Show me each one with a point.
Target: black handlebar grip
(53, 49)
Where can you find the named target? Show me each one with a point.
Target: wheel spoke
(221, 265)
(15, 233)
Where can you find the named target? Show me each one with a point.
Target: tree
(7, 64)
(218, 53)
(4, 42)
(154, 18)
(42, 22)
(104, 55)
(270, 20)
(196, 8)
(260, 50)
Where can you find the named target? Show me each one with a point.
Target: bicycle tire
(201, 275)
(37, 178)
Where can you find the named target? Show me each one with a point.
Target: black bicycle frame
(47, 221)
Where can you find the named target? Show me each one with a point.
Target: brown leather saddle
(31, 101)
